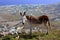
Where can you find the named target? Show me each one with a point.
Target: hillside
(53, 10)
(11, 12)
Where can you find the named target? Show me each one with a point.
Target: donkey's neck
(33, 19)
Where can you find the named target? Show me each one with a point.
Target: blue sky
(17, 2)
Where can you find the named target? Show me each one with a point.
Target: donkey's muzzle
(23, 23)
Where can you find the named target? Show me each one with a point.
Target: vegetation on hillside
(55, 35)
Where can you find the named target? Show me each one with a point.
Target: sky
(17, 2)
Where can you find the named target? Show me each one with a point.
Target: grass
(55, 35)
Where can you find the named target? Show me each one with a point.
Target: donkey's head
(23, 17)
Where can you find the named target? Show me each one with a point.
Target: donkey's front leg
(30, 30)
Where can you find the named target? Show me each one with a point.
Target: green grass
(54, 35)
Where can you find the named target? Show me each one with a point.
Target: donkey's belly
(35, 22)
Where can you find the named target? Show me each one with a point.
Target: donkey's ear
(24, 13)
(20, 13)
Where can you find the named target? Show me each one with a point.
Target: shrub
(8, 37)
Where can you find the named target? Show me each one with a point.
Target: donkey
(36, 20)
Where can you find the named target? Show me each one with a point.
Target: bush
(8, 37)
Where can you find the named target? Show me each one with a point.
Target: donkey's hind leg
(50, 27)
(47, 27)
